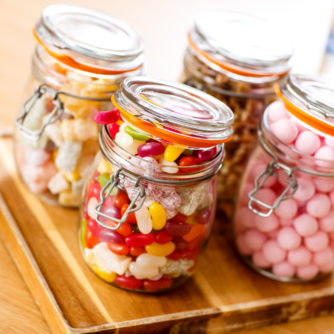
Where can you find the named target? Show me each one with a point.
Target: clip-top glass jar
(238, 59)
(150, 202)
(284, 219)
(80, 59)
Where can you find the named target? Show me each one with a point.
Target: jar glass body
(247, 96)
(158, 246)
(295, 242)
(54, 164)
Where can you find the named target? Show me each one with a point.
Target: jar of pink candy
(284, 219)
(80, 58)
(150, 201)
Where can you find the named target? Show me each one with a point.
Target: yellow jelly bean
(160, 249)
(108, 277)
(172, 152)
(158, 214)
(104, 167)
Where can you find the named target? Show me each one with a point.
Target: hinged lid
(174, 112)
(89, 39)
(241, 43)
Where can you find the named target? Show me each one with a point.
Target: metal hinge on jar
(271, 169)
(139, 194)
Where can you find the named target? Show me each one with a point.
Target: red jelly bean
(204, 216)
(189, 254)
(177, 229)
(151, 148)
(131, 217)
(90, 239)
(93, 191)
(121, 198)
(111, 211)
(195, 243)
(125, 229)
(180, 244)
(136, 251)
(128, 282)
(179, 218)
(106, 117)
(119, 249)
(188, 161)
(174, 256)
(163, 237)
(113, 129)
(205, 155)
(104, 234)
(139, 240)
(162, 283)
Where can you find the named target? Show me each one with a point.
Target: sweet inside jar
(284, 219)
(150, 203)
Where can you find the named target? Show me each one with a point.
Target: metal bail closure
(32, 121)
(271, 170)
(106, 191)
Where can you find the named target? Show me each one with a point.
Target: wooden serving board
(223, 295)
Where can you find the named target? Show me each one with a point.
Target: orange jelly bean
(195, 231)
(119, 249)
(131, 217)
(90, 239)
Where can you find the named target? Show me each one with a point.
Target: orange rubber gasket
(72, 63)
(305, 117)
(160, 132)
(230, 68)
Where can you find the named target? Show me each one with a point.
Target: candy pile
(297, 240)
(157, 247)
(56, 165)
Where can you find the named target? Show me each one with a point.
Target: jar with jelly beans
(284, 218)
(80, 58)
(239, 67)
(150, 201)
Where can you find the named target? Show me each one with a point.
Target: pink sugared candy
(242, 246)
(273, 252)
(266, 224)
(244, 217)
(305, 225)
(318, 206)
(276, 111)
(325, 153)
(324, 184)
(327, 223)
(288, 238)
(283, 269)
(317, 241)
(307, 272)
(287, 209)
(324, 257)
(300, 256)
(305, 190)
(254, 239)
(307, 142)
(285, 130)
(259, 260)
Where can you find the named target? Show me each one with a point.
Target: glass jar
(239, 67)
(149, 204)
(80, 59)
(284, 217)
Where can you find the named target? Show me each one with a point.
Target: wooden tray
(223, 295)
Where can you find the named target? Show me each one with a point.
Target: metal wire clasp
(28, 106)
(115, 179)
(271, 169)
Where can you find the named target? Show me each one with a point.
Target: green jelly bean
(83, 233)
(188, 151)
(103, 179)
(136, 134)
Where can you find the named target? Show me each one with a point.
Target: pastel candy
(323, 257)
(288, 238)
(317, 242)
(266, 195)
(306, 225)
(276, 111)
(286, 222)
(325, 153)
(245, 217)
(300, 256)
(327, 223)
(287, 209)
(254, 239)
(327, 268)
(285, 130)
(242, 246)
(329, 141)
(147, 260)
(258, 169)
(324, 184)
(273, 252)
(307, 272)
(318, 206)
(283, 269)
(305, 190)
(38, 157)
(259, 260)
(245, 189)
(307, 142)
(266, 224)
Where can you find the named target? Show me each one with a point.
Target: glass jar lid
(174, 112)
(311, 100)
(89, 40)
(241, 43)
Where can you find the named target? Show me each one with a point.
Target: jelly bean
(174, 256)
(111, 211)
(158, 215)
(128, 282)
(139, 240)
(147, 260)
(108, 277)
(125, 229)
(106, 117)
(104, 234)
(161, 284)
(160, 249)
(135, 251)
(103, 179)
(180, 244)
(123, 139)
(172, 152)
(206, 155)
(188, 151)
(90, 239)
(113, 130)
(203, 217)
(121, 198)
(163, 237)
(83, 233)
(189, 254)
(143, 272)
(150, 148)
(188, 161)
(119, 249)
(170, 167)
(94, 191)
(195, 243)
(177, 228)
(131, 217)
(144, 220)
(136, 134)
(179, 218)
(92, 203)
(195, 231)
